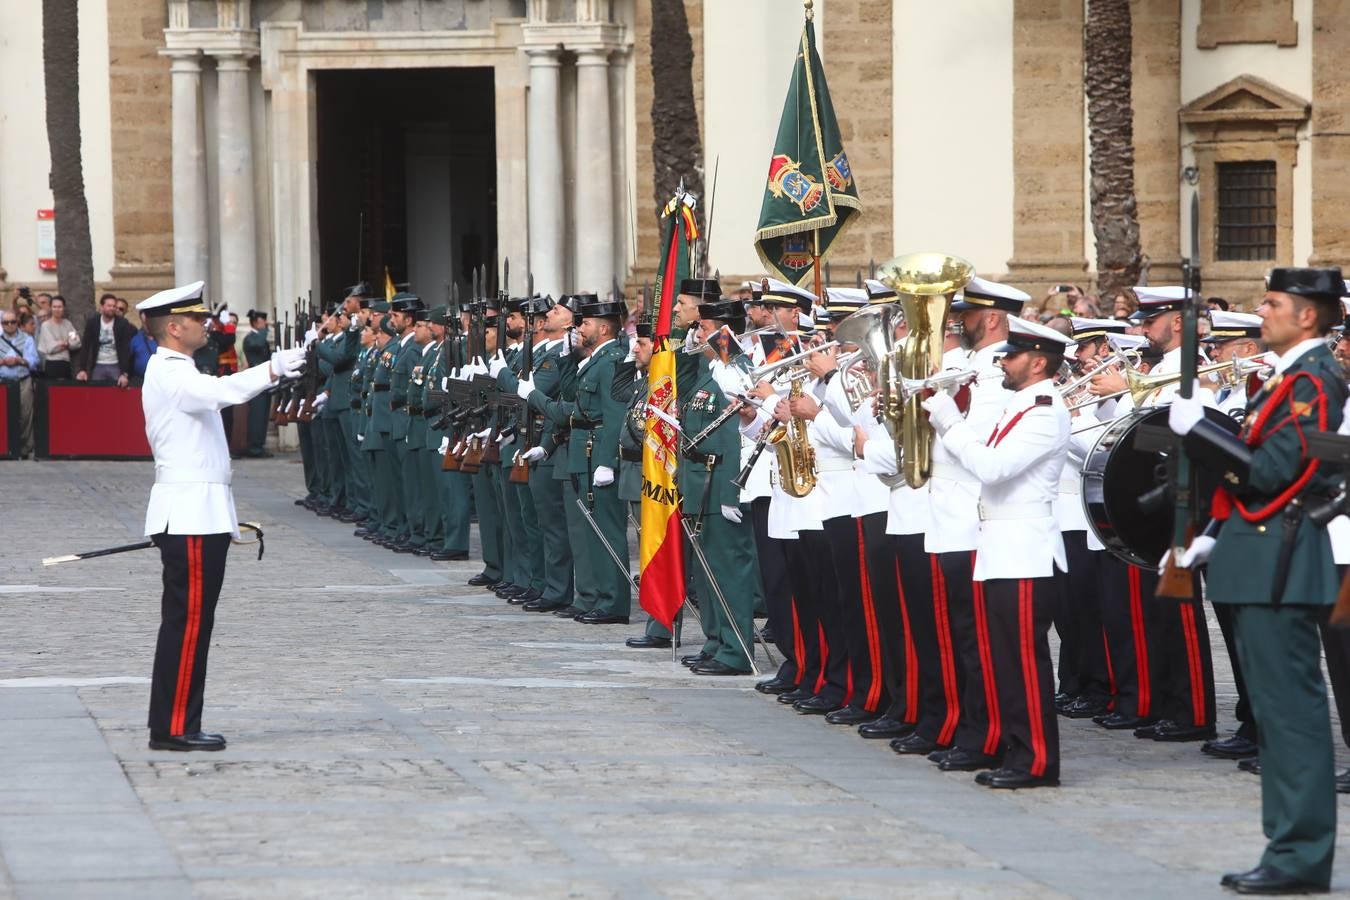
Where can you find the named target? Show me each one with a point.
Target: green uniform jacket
(595, 408)
(408, 356)
(256, 351)
(1243, 564)
(433, 368)
(630, 389)
(338, 355)
(381, 417)
(421, 360)
(701, 401)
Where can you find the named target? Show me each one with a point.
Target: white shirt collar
(602, 346)
(403, 341)
(161, 350)
(1290, 356)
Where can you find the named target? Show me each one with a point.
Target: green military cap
(380, 306)
(439, 315)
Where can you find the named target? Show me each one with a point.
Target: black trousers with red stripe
(194, 568)
(773, 575)
(978, 729)
(1182, 668)
(857, 607)
(1125, 591)
(1083, 668)
(899, 662)
(816, 598)
(940, 677)
(1020, 611)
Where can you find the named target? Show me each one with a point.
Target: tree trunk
(60, 66)
(1107, 80)
(677, 150)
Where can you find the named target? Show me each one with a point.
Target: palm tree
(1106, 78)
(677, 149)
(60, 66)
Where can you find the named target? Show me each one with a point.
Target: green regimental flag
(811, 186)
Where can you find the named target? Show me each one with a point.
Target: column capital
(231, 62)
(593, 54)
(544, 56)
(183, 59)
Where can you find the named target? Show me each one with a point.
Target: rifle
(520, 468)
(276, 389)
(477, 407)
(1176, 583)
(285, 386)
(296, 396)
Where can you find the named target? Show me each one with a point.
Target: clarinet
(760, 443)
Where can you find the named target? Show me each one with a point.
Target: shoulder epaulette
(1043, 400)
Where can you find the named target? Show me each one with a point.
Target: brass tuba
(925, 284)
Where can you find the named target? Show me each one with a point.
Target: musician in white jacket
(1019, 546)
(191, 515)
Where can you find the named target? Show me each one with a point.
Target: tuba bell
(925, 284)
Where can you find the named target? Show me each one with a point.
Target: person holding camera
(56, 338)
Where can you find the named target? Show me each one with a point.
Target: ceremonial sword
(146, 545)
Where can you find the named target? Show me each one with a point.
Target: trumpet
(769, 370)
(1139, 385)
(943, 381)
(1127, 358)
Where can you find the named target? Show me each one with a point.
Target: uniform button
(1261, 529)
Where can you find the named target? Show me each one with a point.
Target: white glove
(534, 454)
(288, 363)
(604, 475)
(1197, 554)
(732, 514)
(632, 352)
(224, 315)
(525, 388)
(690, 340)
(496, 364)
(360, 438)
(445, 445)
(312, 335)
(321, 400)
(445, 383)
(1184, 413)
(504, 439)
(483, 435)
(942, 410)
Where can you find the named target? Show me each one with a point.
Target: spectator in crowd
(122, 307)
(18, 362)
(43, 309)
(1216, 303)
(1088, 306)
(1122, 304)
(28, 325)
(143, 346)
(56, 338)
(257, 353)
(106, 354)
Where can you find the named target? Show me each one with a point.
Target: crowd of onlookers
(39, 340)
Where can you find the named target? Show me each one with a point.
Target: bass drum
(1125, 495)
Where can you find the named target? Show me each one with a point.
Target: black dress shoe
(885, 728)
(1118, 721)
(481, 579)
(1251, 764)
(817, 706)
(1235, 746)
(568, 612)
(542, 606)
(446, 555)
(1063, 700)
(596, 617)
(915, 745)
(1270, 880)
(1176, 732)
(715, 667)
(422, 551)
(774, 685)
(765, 635)
(792, 696)
(958, 759)
(361, 531)
(403, 547)
(850, 715)
(505, 589)
(522, 599)
(1343, 781)
(1011, 779)
(187, 742)
(1085, 708)
(694, 659)
(648, 642)
(348, 517)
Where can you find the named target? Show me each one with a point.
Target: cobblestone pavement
(395, 733)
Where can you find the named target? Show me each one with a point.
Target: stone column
(544, 180)
(595, 174)
(191, 250)
(234, 158)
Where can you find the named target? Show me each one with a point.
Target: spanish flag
(661, 589)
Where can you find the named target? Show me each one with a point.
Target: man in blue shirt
(143, 347)
(18, 362)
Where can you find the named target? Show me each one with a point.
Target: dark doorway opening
(414, 151)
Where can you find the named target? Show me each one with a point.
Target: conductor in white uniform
(191, 514)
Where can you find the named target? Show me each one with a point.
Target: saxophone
(796, 458)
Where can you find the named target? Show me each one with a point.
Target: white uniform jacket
(787, 515)
(907, 509)
(182, 408)
(954, 495)
(1018, 463)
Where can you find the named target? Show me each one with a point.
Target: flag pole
(815, 237)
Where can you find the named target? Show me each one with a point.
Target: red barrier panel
(90, 420)
(9, 407)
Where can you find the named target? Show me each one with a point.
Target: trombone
(769, 370)
(1127, 358)
(1139, 385)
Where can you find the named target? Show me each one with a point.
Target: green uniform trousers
(391, 522)
(1280, 653)
(358, 468)
(258, 408)
(514, 568)
(487, 501)
(730, 550)
(580, 537)
(307, 458)
(532, 554)
(428, 489)
(546, 492)
(335, 460)
(454, 490)
(614, 592)
(410, 478)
